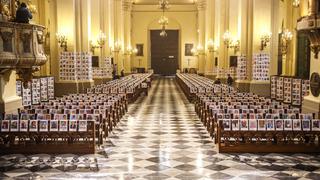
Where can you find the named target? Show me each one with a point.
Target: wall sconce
(265, 38)
(135, 51)
(194, 52)
(285, 40)
(128, 51)
(200, 50)
(235, 45)
(117, 46)
(211, 46)
(131, 51)
(62, 40)
(101, 40)
(93, 46)
(231, 42)
(227, 38)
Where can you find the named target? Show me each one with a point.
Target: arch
(173, 24)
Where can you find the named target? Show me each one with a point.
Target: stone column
(127, 7)
(246, 40)
(287, 59)
(9, 101)
(95, 19)
(274, 42)
(223, 27)
(118, 35)
(82, 25)
(74, 19)
(201, 35)
(295, 15)
(262, 22)
(43, 12)
(111, 26)
(104, 25)
(210, 21)
(216, 32)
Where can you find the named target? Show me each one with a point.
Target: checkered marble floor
(161, 137)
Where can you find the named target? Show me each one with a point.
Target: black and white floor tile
(161, 137)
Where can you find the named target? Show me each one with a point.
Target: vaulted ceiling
(170, 1)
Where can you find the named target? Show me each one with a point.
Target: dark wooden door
(303, 56)
(164, 52)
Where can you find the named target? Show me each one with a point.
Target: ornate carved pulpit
(310, 24)
(21, 48)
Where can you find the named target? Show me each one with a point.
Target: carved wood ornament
(7, 41)
(315, 84)
(26, 40)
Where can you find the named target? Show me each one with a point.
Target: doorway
(164, 52)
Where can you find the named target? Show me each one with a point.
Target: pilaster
(201, 5)
(9, 101)
(82, 25)
(127, 7)
(223, 27)
(118, 35)
(209, 35)
(246, 40)
(274, 42)
(262, 23)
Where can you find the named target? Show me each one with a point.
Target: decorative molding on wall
(127, 5)
(201, 5)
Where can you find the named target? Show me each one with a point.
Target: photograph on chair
(14, 125)
(54, 125)
(23, 125)
(235, 125)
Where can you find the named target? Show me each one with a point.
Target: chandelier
(163, 21)
(163, 32)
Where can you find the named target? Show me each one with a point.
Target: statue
(4, 12)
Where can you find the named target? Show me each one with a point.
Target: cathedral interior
(160, 89)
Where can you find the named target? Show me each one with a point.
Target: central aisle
(160, 137)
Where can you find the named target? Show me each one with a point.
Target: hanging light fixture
(296, 3)
(163, 21)
(164, 4)
(163, 32)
